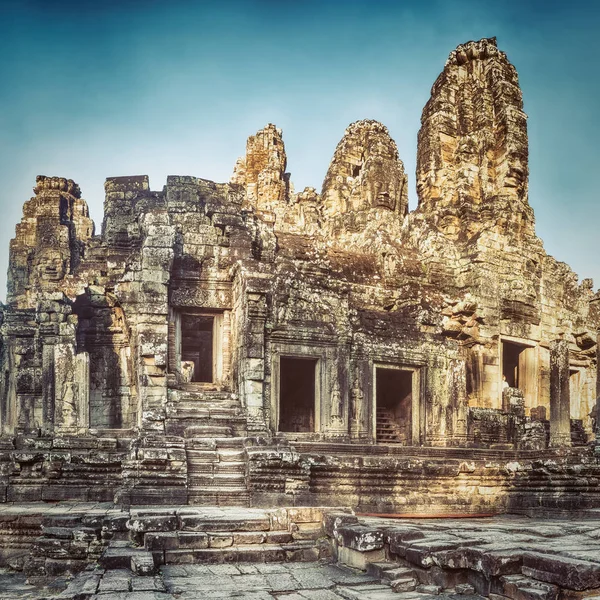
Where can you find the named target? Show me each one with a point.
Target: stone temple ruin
(244, 344)
(292, 332)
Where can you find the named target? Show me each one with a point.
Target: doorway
(197, 346)
(511, 357)
(297, 394)
(393, 403)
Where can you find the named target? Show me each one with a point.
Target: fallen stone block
(333, 520)
(142, 563)
(519, 587)
(359, 537)
(161, 540)
(403, 584)
(143, 524)
(359, 559)
(563, 571)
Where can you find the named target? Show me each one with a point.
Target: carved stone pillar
(252, 365)
(597, 405)
(360, 411)
(560, 401)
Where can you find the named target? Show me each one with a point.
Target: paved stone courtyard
(301, 581)
(503, 558)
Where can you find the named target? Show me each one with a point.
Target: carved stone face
(51, 267)
(516, 177)
(380, 184)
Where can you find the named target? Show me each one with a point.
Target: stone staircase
(217, 471)
(400, 579)
(214, 427)
(388, 431)
(194, 411)
(187, 535)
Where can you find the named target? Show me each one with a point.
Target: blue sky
(97, 89)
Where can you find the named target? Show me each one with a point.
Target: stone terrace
(99, 551)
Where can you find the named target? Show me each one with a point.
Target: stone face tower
(262, 170)
(472, 146)
(365, 173)
(50, 240)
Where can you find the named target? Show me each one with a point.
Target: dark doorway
(511, 353)
(574, 383)
(297, 394)
(394, 406)
(579, 436)
(197, 345)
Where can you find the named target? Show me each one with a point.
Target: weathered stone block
(358, 559)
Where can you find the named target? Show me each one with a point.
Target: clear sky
(92, 89)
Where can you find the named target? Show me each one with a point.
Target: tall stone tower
(472, 147)
(50, 240)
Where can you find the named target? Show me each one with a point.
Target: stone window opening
(198, 346)
(355, 170)
(394, 406)
(297, 394)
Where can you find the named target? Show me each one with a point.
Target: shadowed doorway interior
(297, 394)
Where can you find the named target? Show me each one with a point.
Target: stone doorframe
(417, 420)
(322, 355)
(220, 338)
(529, 366)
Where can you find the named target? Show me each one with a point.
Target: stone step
(198, 490)
(202, 465)
(236, 442)
(214, 398)
(252, 553)
(232, 455)
(217, 480)
(150, 519)
(403, 584)
(307, 534)
(519, 587)
(223, 497)
(230, 469)
(207, 430)
(200, 468)
(121, 556)
(388, 570)
(217, 443)
(200, 389)
(202, 456)
(206, 411)
(398, 573)
(174, 540)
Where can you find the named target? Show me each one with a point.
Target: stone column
(560, 401)
(48, 384)
(252, 364)
(597, 405)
